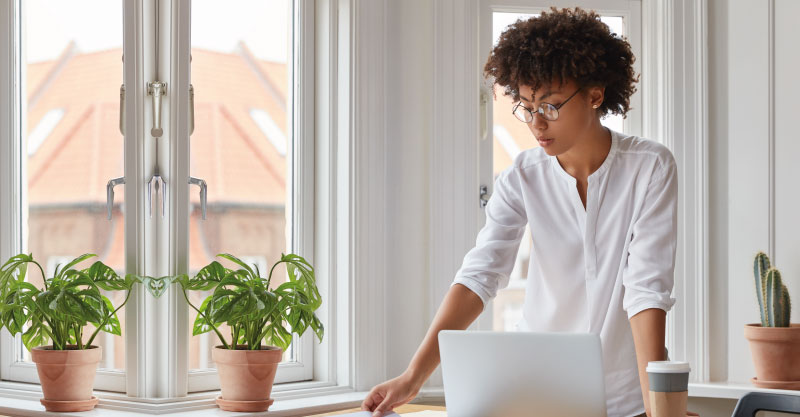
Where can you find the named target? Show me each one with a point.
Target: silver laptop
(488, 374)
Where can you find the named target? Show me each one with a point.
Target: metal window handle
(157, 89)
(122, 109)
(203, 193)
(191, 109)
(485, 117)
(156, 182)
(110, 193)
(484, 195)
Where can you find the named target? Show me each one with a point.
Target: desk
(407, 408)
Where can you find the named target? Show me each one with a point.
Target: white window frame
(155, 383)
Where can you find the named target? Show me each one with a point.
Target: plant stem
(105, 321)
(78, 335)
(269, 278)
(221, 339)
(44, 277)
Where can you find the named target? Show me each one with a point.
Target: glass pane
(241, 144)
(510, 138)
(72, 145)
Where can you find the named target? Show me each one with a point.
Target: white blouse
(591, 269)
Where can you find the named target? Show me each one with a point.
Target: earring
(595, 106)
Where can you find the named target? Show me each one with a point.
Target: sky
(96, 25)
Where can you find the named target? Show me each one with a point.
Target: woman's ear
(596, 96)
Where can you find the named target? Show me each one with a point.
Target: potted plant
(775, 342)
(51, 320)
(255, 314)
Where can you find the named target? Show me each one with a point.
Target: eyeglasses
(546, 110)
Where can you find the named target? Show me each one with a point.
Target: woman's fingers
(373, 399)
(384, 406)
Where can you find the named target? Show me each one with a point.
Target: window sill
(309, 398)
(732, 390)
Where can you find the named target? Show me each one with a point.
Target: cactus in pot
(775, 342)
(774, 303)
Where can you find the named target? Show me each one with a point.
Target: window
(70, 145)
(510, 137)
(78, 131)
(241, 146)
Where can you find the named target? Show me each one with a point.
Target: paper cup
(669, 383)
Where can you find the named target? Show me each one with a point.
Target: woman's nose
(539, 121)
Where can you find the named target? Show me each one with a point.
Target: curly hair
(560, 45)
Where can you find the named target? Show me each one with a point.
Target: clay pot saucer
(232, 405)
(67, 406)
(790, 385)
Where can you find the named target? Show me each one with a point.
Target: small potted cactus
(775, 342)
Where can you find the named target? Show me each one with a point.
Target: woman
(602, 210)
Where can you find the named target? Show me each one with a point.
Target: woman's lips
(545, 141)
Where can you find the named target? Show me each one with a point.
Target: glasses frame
(540, 110)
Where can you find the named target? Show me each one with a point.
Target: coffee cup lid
(668, 367)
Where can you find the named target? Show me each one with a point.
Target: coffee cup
(669, 383)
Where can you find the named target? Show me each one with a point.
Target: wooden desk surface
(407, 408)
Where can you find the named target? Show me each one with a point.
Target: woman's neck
(588, 154)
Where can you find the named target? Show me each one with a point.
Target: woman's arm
(648, 327)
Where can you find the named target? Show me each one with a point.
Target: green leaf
(36, 335)
(200, 324)
(240, 263)
(106, 278)
(74, 262)
(319, 329)
(235, 306)
(207, 278)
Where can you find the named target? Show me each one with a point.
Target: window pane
(510, 138)
(242, 141)
(72, 144)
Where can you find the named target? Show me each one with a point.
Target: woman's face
(575, 120)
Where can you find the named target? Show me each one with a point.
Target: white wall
(409, 100)
(762, 168)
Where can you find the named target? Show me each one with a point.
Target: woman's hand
(390, 394)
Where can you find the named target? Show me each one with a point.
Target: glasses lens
(549, 111)
(522, 113)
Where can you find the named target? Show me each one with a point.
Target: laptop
(493, 374)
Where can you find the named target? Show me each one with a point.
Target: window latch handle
(203, 193)
(122, 109)
(191, 109)
(157, 89)
(159, 183)
(484, 195)
(110, 193)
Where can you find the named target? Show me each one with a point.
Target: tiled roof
(228, 148)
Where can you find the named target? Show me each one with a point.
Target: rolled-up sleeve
(487, 266)
(648, 277)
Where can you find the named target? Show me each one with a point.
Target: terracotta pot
(246, 377)
(776, 355)
(67, 376)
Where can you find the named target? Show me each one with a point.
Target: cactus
(760, 267)
(774, 303)
(787, 307)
